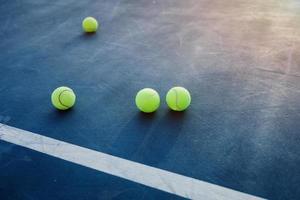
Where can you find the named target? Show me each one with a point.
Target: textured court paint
(153, 177)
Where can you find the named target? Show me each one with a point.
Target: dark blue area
(241, 130)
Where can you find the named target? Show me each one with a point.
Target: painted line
(153, 177)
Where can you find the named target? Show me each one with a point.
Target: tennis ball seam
(176, 99)
(59, 100)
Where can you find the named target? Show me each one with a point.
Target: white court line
(153, 177)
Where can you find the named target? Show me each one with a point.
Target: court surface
(239, 139)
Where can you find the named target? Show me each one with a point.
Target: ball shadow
(144, 117)
(90, 35)
(56, 116)
(176, 115)
(160, 142)
(133, 134)
(149, 138)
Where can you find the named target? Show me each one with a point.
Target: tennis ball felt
(90, 24)
(178, 98)
(147, 100)
(63, 98)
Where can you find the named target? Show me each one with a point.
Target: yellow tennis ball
(63, 98)
(178, 98)
(90, 24)
(147, 100)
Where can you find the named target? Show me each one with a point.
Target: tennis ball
(147, 100)
(63, 98)
(90, 24)
(178, 98)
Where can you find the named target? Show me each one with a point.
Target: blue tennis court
(239, 139)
